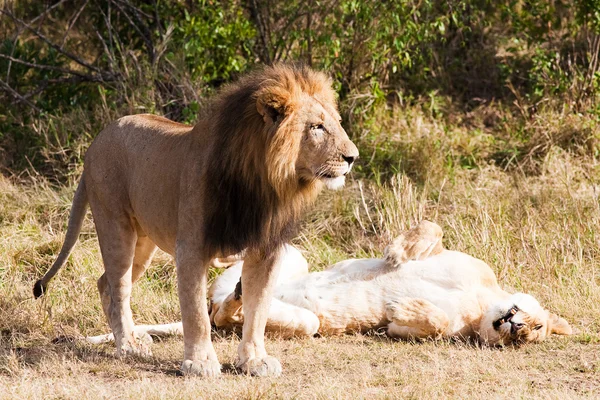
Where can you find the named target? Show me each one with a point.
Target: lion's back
(135, 166)
(136, 134)
(133, 151)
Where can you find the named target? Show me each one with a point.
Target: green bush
(447, 58)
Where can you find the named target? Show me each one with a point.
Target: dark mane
(245, 206)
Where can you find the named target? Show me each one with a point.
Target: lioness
(237, 180)
(420, 290)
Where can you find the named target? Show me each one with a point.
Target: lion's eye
(317, 130)
(537, 327)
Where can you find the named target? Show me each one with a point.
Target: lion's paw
(204, 368)
(268, 366)
(140, 347)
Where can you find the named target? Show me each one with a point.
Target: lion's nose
(349, 152)
(515, 327)
(349, 159)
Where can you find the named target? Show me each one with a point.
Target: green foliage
(216, 40)
(28, 80)
(546, 68)
(446, 58)
(588, 13)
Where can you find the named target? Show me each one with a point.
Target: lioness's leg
(285, 319)
(226, 262)
(199, 356)
(416, 318)
(259, 275)
(418, 243)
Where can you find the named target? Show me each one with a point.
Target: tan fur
(419, 290)
(446, 294)
(237, 180)
(415, 244)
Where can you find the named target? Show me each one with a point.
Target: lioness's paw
(268, 366)
(204, 368)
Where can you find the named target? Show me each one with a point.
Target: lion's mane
(255, 194)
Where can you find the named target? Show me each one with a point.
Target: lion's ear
(272, 104)
(559, 325)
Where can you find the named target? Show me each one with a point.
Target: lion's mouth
(333, 183)
(332, 175)
(506, 317)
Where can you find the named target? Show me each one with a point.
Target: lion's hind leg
(125, 257)
(415, 318)
(143, 252)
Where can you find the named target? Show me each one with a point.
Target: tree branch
(255, 14)
(73, 20)
(140, 27)
(94, 78)
(51, 44)
(18, 96)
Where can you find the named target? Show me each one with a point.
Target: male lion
(237, 180)
(420, 290)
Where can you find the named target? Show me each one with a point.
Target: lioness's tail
(78, 210)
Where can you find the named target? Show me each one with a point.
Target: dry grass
(538, 232)
(342, 367)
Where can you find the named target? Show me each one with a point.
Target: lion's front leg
(199, 355)
(259, 275)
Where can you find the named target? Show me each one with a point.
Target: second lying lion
(419, 290)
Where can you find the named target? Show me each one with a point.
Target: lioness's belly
(347, 298)
(133, 169)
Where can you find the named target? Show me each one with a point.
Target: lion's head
(279, 141)
(307, 142)
(520, 319)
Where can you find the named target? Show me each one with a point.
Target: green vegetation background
(480, 115)
(504, 81)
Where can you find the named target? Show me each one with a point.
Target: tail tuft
(38, 289)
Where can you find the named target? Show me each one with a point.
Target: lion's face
(306, 140)
(326, 153)
(519, 320)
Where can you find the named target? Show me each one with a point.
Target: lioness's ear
(272, 103)
(559, 325)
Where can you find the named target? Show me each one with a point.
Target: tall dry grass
(536, 227)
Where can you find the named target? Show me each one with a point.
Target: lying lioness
(419, 290)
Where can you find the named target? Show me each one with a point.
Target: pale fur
(238, 179)
(412, 294)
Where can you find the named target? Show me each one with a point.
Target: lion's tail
(78, 210)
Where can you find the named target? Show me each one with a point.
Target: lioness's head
(518, 320)
(307, 143)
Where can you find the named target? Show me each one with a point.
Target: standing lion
(237, 180)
